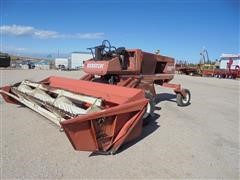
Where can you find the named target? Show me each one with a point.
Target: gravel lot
(198, 141)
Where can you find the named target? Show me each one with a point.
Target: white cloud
(19, 30)
(16, 30)
(90, 35)
(13, 48)
(46, 34)
(21, 49)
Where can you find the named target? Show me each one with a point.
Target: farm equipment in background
(106, 107)
(227, 67)
(221, 73)
(207, 68)
(195, 69)
(187, 69)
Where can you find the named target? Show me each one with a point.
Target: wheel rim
(148, 111)
(186, 98)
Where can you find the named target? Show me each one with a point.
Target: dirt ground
(198, 141)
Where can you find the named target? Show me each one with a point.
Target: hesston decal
(95, 66)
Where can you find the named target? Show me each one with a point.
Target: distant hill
(23, 58)
(38, 55)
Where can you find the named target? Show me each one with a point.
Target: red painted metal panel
(119, 121)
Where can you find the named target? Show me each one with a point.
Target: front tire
(150, 107)
(184, 101)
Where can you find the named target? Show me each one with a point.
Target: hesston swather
(105, 108)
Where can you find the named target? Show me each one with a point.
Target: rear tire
(184, 101)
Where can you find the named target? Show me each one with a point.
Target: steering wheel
(106, 46)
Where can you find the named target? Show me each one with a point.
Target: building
(61, 63)
(231, 60)
(78, 58)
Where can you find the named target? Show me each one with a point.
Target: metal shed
(78, 58)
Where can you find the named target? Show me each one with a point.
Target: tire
(150, 107)
(184, 101)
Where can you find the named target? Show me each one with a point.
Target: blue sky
(178, 28)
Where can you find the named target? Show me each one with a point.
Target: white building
(225, 59)
(59, 62)
(78, 58)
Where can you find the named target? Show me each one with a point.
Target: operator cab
(106, 52)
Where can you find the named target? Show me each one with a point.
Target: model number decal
(96, 66)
